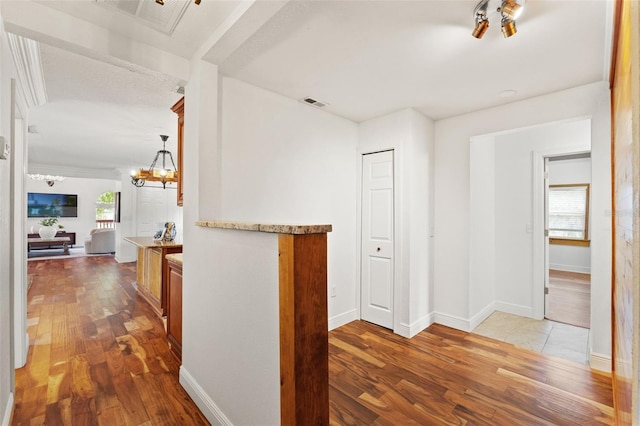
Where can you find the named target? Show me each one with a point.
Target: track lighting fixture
(161, 2)
(508, 10)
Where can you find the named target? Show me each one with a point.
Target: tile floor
(549, 337)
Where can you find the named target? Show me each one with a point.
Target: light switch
(528, 228)
(4, 148)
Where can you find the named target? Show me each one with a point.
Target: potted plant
(48, 230)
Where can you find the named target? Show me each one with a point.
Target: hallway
(98, 354)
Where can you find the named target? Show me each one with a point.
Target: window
(569, 214)
(105, 210)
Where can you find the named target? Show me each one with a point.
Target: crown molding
(28, 62)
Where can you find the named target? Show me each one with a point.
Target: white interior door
(377, 239)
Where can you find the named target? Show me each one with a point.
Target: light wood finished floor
(99, 356)
(569, 298)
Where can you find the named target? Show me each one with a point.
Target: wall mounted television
(45, 205)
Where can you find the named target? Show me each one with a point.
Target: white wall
(452, 197)
(286, 162)
(275, 160)
(231, 328)
(563, 257)
(88, 191)
(514, 286)
(482, 267)
(410, 135)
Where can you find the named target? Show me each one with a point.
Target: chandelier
(50, 179)
(140, 177)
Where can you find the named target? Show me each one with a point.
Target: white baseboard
(600, 362)
(410, 330)
(8, 412)
(511, 308)
(570, 268)
(468, 325)
(124, 259)
(452, 321)
(477, 319)
(210, 410)
(342, 319)
(23, 359)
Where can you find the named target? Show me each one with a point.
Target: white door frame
(18, 257)
(539, 246)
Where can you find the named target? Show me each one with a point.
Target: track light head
(507, 10)
(511, 10)
(482, 25)
(508, 28)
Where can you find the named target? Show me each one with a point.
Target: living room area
(85, 225)
(91, 224)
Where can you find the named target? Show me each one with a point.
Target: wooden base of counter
(153, 271)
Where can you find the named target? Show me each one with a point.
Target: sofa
(100, 241)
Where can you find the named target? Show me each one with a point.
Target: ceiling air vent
(163, 18)
(313, 102)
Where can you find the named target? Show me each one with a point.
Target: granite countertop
(149, 242)
(266, 227)
(175, 258)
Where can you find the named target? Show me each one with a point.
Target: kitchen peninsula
(153, 270)
(257, 322)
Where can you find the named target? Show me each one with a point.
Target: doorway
(377, 239)
(507, 244)
(568, 251)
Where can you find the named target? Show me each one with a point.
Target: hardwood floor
(99, 356)
(445, 376)
(569, 298)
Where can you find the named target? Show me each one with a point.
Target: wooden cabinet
(153, 270)
(154, 275)
(178, 108)
(174, 305)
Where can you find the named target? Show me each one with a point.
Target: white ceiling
(364, 58)
(100, 116)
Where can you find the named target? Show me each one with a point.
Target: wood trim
(304, 344)
(569, 242)
(586, 241)
(178, 108)
(617, 19)
(617, 16)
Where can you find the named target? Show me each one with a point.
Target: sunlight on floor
(549, 337)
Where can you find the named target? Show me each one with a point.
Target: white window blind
(569, 211)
